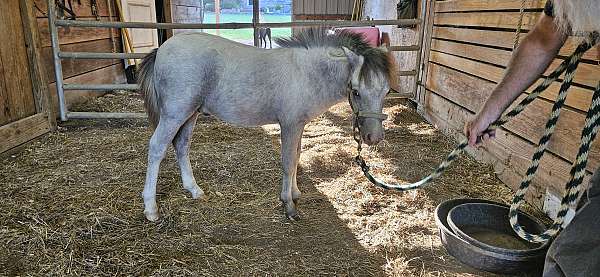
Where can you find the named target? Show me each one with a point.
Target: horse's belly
(240, 118)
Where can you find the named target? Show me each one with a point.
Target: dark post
(255, 20)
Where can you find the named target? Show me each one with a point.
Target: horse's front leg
(295, 191)
(290, 140)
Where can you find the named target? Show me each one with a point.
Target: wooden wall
(470, 48)
(186, 11)
(24, 107)
(322, 9)
(93, 71)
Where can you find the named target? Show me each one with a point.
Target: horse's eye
(356, 93)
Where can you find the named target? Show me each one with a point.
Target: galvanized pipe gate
(54, 23)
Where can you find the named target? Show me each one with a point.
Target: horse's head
(368, 88)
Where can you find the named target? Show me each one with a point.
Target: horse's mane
(376, 60)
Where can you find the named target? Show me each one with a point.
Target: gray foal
(196, 73)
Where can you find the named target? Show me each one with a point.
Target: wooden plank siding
(16, 90)
(471, 45)
(82, 40)
(24, 109)
(185, 11)
(322, 9)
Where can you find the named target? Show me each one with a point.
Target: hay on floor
(71, 201)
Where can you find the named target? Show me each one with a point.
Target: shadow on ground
(72, 206)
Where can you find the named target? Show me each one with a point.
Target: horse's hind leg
(182, 149)
(159, 143)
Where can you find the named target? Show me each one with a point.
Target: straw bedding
(71, 201)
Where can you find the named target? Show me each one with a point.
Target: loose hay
(71, 201)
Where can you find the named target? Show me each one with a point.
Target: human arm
(529, 61)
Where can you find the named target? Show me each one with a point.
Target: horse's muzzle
(373, 138)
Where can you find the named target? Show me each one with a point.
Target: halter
(356, 112)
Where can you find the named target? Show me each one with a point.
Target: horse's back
(237, 83)
(197, 42)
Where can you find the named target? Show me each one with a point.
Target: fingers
(476, 136)
(471, 134)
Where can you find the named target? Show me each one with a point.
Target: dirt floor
(71, 201)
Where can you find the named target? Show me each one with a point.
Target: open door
(143, 40)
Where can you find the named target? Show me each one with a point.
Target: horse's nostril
(369, 137)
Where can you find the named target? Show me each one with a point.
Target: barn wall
(406, 60)
(186, 11)
(24, 108)
(322, 9)
(92, 71)
(470, 48)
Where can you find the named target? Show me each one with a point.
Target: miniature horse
(196, 73)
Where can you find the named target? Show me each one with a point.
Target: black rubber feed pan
(486, 225)
(484, 258)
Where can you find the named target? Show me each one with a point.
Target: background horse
(247, 86)
(262, 35)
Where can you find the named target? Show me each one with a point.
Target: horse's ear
(384, 48)
(356, 62)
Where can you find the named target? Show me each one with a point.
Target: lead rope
(577, 172)
(519, 25)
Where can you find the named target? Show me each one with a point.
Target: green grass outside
(247, 34)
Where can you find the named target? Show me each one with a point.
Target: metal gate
(58, 55)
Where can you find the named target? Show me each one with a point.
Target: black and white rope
(572, 188)
(578, 171)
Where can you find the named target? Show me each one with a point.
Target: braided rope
(572, 187)
(569, 65)
(519, 25)
(519, 196)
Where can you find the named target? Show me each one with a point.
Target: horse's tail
(145, 79)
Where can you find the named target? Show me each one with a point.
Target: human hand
(477, 131)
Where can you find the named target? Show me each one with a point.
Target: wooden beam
(578, 97)
(218, 15)
(322, 17)
(21, 131)
(507, 20)
(486, 5)
(586, 73)
(168, 12)
(37, 70)
(256, 20)
(16, 95)
(499, 39)
(420, 93)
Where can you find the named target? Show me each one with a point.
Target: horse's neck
(327, 76)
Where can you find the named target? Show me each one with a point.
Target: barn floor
(71, 202)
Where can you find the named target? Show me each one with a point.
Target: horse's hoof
(198, 193)
(294, 216)
(151, 216)
(290, 210)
